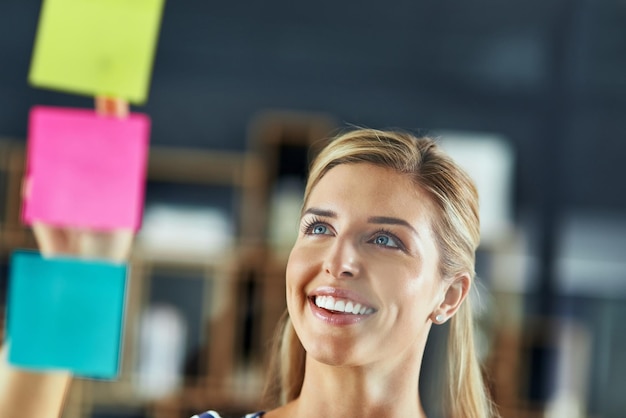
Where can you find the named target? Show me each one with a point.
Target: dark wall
(550, 75)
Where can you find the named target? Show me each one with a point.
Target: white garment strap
(212, 414)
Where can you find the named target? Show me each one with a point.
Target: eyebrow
(388, 220)
(320, 212)
(379, 220)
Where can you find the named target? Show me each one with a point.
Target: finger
(51, 240)
(111, 106)
(110, 245)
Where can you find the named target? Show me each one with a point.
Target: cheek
(411, 287)
(300, 267)
(395, 275)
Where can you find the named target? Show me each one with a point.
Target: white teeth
(340, 305)
(349, 307)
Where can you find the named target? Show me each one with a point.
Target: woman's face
(362, 278)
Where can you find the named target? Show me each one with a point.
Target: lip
(336, 318)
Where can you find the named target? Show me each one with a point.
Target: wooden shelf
(244, 289)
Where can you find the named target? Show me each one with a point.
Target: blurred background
(529, 96)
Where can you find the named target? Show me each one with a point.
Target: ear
(455, 293)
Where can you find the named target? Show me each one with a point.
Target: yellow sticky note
(97, 47)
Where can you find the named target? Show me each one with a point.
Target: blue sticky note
(65, 314)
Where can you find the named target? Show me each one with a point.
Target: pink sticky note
(84, 169)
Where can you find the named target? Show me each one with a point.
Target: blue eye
(382, 240)
(319, 229)
(315, 226)
(385, 240)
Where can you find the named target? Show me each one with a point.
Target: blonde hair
(456, 230)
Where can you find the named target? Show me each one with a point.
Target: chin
(332, 353)
(332, 359)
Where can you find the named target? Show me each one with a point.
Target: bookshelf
(223, 279)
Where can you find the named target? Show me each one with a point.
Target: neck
(372, 391)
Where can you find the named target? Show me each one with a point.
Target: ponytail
(466, 395)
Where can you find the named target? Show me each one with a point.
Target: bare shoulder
(285, 411)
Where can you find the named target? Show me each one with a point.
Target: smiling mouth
(339, 305)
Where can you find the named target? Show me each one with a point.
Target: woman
(386, 249)
(388, 232)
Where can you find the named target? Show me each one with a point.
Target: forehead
(374, 190)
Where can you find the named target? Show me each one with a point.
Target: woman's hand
(106, 245)
(30, 394)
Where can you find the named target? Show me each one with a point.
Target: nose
(342, 260)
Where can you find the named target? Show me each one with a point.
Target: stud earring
(439, 318)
